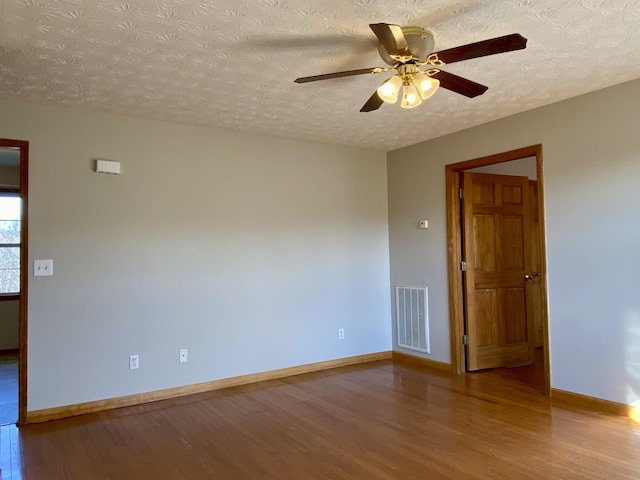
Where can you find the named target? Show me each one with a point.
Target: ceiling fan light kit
(404, 48)
(416, 86)
(427, 85)
(389, 90)
(410, 95)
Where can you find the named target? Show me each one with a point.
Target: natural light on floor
(634, 413)
(632, 362)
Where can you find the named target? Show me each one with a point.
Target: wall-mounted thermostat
(424, 224)
(108, 166)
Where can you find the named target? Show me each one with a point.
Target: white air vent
(412, 317)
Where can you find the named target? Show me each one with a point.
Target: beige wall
(9, 176)
(8, 325)
(249, 251)
(592, 164)
(252, 251)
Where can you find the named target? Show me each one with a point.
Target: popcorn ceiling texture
(231, 63)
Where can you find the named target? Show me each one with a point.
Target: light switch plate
(42, 268)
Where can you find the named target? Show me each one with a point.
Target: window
(10, 213)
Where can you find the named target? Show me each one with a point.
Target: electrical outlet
(134, 362)
(341, 334)
(184, 355)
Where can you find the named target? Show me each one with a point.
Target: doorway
(14, 156)
(465, 309)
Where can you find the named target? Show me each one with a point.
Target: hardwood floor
(526, 375)
(10, 454)
(8, 388)
(381, 420)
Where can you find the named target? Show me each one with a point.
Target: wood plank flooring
(381, 420)
(8, 387)
(10, 454)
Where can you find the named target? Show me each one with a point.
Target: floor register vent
(412, 316)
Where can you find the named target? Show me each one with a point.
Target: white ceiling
(231, 63)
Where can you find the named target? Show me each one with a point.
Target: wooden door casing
(496, 238)
(536, 297)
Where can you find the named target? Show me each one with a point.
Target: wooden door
(496, 244)
(535, 289)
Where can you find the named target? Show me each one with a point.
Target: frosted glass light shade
(388, 91)
(427, 85)
(410, 96)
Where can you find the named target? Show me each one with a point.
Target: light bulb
(410, 96)
(427, 85)
(388, 91)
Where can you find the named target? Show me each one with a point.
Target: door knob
(532, 277)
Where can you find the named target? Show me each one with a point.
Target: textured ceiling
(231, 63)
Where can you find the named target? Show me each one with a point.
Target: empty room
(319, 240)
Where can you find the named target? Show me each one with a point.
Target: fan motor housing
(420, 40)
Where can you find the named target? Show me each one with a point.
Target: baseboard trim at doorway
(420, 361)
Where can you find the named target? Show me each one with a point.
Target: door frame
(24, 275)
(454, 251)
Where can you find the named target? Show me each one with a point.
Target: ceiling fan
(404, 48)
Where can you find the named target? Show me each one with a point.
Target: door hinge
(461, 193)
(465, 339)
(463, 266)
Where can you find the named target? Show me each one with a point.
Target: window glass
(9, 243)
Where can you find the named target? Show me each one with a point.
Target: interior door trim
(24, 275)
(454, 250)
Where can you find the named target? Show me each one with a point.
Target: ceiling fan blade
(459, 85)
(508, 43)
(374, 103)
(347, 73)
(392, 38)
